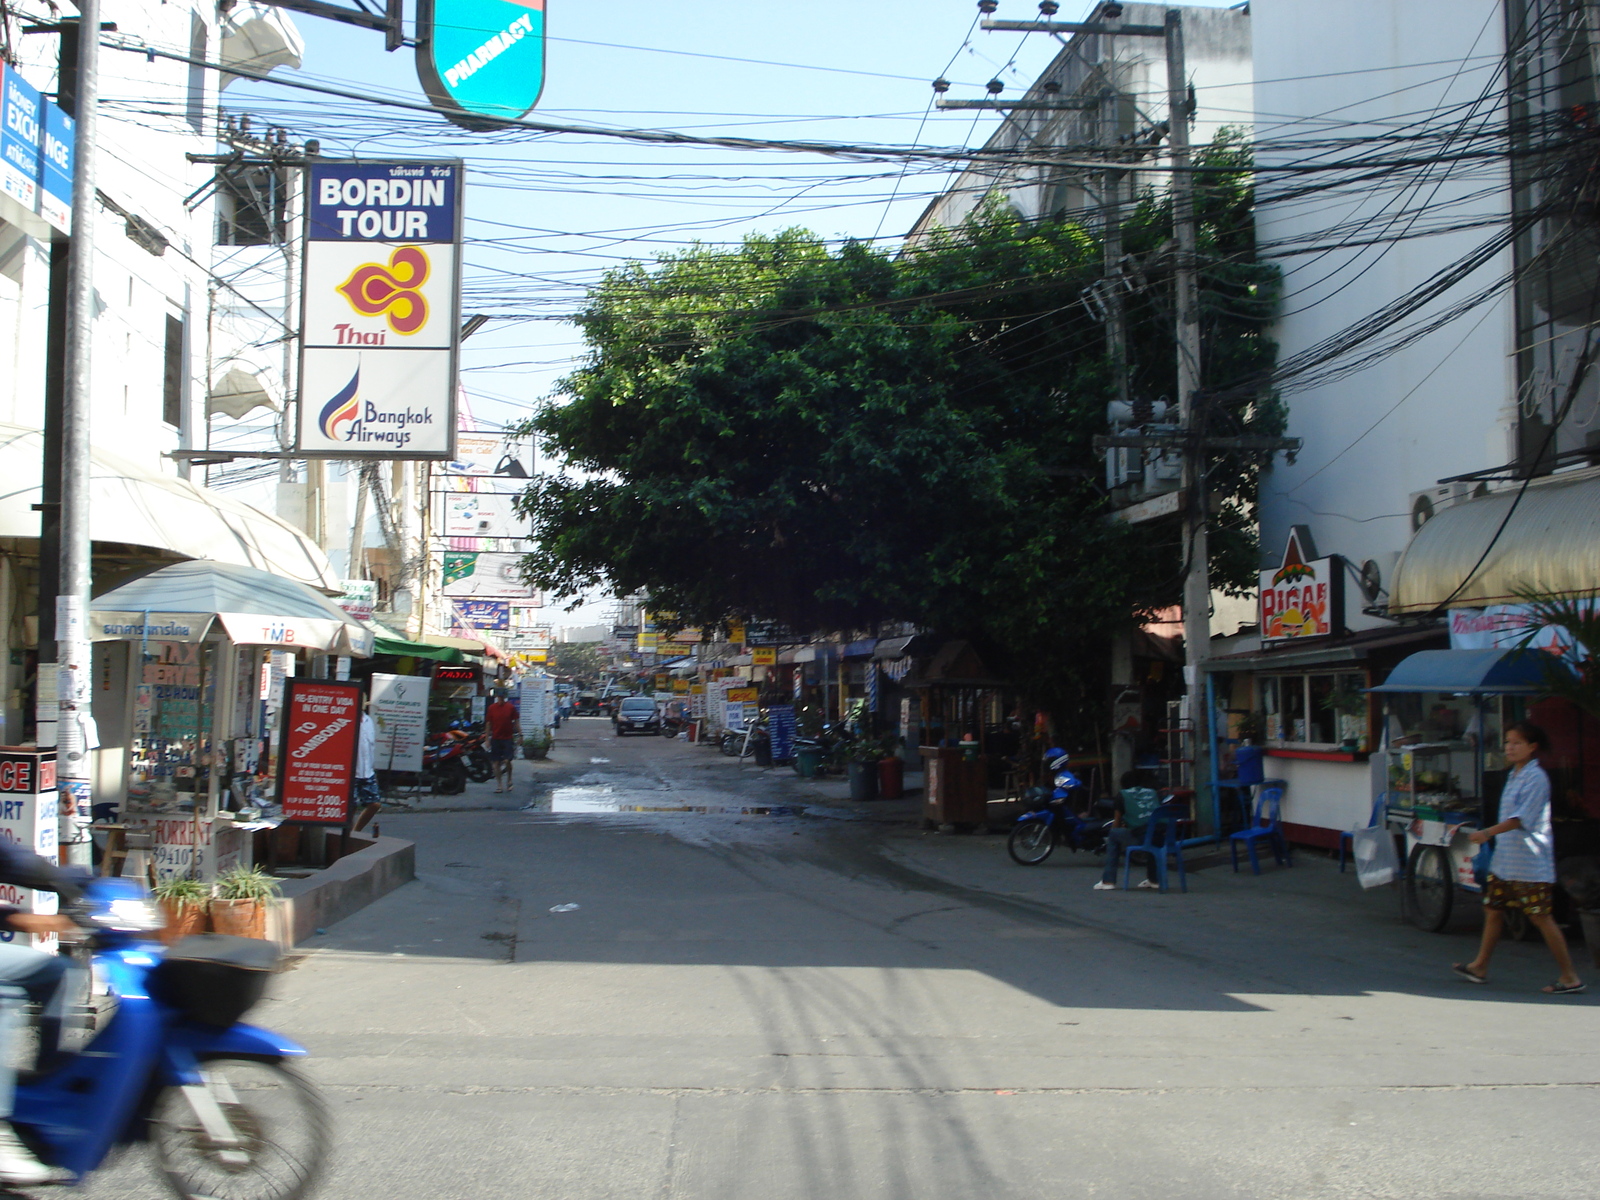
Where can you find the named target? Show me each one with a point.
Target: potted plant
(1252, 726)
(240, 905)
(1350, 706)
(861, 757)
(186, 903)
(536, 745)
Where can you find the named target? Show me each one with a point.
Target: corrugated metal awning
(1548, 542)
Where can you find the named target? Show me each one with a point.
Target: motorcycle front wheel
(1031, 843)
(277, 1139)
(449, 778)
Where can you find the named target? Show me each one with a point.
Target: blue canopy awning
(1500, 672)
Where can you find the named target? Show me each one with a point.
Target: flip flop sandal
(1470, 976)
(1565, 989)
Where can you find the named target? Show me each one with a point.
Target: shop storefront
(190, 663)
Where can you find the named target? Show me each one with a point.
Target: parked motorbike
(216, 1100)
(1052, 821)
(746, 742)
(444, 764)
(479, 766)
(822, 743)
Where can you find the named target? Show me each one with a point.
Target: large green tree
(835, 437)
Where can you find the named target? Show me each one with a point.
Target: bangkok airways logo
(343, 408)
(392, 291)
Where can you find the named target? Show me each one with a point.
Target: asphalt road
(756, 1005)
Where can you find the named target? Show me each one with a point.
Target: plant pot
(183, 918)
(808, 763)
(242, 918)
(863, 780)
(891, 778)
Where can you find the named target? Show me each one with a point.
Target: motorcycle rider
(38, 975)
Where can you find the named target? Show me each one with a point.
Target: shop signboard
(697, 701)
(481, 61)
(680, 686)
(741, 695)
(781, 729)
(28, 819)
(1303, 597)
(1511, 627)
(380, 310)
(648, 642)
(494, 457)
(35, 151)
(399, 709)
(359, 599)
(317, 749)
(763, 656)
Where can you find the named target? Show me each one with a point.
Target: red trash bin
(891, 778)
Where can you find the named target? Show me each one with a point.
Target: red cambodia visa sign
(317, 749)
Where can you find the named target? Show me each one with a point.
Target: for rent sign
(1303, 597)
(317, 749)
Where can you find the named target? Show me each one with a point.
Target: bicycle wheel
(1430, 890)
(1031, 843)
(277, 1118)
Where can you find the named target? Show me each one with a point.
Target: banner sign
(400, 711)
(481, 59)
(35, 151)
(482, 514)
(380, 310)
(496, 456)
(317, 749)
(28, 818)
(1304, 596)
(485, 574)
(359, 599)
(1512, 627)
(482, 614)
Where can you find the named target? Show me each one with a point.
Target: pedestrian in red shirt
(502, 719)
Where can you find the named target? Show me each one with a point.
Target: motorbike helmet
(1056, 757)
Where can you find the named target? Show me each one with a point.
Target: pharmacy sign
(481, 60)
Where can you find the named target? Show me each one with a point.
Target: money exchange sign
(380, 310)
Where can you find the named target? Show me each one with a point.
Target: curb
(334, 893)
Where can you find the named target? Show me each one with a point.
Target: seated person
(1134, 806)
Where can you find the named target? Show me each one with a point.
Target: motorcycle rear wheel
(480, 767)
(277, 1116)
(449, 778)
(1031, 843)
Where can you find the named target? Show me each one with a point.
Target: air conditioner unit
(1429, 502)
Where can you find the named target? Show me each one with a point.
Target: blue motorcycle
(1038, 831)
(226, 1115)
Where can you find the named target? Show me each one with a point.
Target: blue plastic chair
(1265, 826)
(1161, 843)
(1347, 838)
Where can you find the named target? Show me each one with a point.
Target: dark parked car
(586, 705)
(637, 714)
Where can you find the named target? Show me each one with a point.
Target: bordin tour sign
(481, 60)
(380, 310)
(317, 749)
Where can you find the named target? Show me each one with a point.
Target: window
(172, 378)
(1325, 709)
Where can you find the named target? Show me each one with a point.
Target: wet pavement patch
(604, 798)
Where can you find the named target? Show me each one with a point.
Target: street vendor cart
(1445, 716)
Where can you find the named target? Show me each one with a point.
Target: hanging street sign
(481, 61)
(380, 310)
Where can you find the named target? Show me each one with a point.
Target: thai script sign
(1303, 597)
(380, 310)
(317, 749)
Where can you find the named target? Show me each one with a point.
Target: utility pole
(1186, 305)
(73, 647)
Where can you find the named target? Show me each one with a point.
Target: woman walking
(1522, 873)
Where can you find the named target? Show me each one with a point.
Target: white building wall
(1443, 406)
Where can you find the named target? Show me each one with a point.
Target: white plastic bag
(1377, 861)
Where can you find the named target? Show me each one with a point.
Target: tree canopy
(834, 437)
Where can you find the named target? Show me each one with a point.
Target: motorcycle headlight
(130, 915)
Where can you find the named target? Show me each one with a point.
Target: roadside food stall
(1445, 716)
(189, 668)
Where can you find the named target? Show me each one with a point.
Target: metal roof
(1547, 541)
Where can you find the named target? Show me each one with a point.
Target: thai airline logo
(344, 407)
(391, 291)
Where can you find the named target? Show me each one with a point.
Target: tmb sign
(317, 749)
(1303, 597)
(481, 60)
